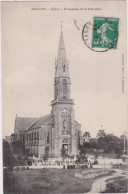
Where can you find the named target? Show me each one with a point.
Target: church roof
(21, 123)
(77, 123)
(25, 123)
(45, 120)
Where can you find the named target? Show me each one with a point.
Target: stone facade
(59, 129)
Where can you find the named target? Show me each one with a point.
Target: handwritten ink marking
(75, 22)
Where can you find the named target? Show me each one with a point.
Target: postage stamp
(100, 34)
(105, 32)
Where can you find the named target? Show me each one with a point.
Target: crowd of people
(62, 163)
(54, 163)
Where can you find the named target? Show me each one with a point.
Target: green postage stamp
(105, 32)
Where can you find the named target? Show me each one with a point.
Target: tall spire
(62, 79)
(61, 62)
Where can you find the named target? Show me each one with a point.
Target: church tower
(65, 133)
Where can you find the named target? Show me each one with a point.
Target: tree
(64, 153)
(8, 156)
(101, 133)
(107, 143)
(19, 152)
(94, 144)
(46, 155)
(18, 148)
(83, 149)
(96, 154)
(111, 144)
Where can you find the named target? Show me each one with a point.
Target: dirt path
(99, 185)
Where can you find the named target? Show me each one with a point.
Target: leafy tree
(81, 157)
(83, 149)
(101, 133)
(18, 148)
(19, 152)
(64, 153)
(94, 144)
(8, 156)
(46, 155)
(96, 154)
(111, 144)
(108, 143)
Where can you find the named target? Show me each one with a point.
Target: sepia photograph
(64, 97)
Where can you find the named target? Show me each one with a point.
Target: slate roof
(21, 123)
(77, 123)
(45, 120)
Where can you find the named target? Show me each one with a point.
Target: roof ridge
(36, 121)
(22, 123)
(48, 118)
(27, 117)
(77, 122)
(32, 124)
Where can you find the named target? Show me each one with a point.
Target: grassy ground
(46, 181)
(106, 155)
(117, 186)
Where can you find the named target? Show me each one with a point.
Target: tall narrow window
(64, 88)
(37, 134)
(48, 138)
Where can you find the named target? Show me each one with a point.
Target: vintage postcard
(64, 97)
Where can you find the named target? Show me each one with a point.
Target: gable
(21, 123)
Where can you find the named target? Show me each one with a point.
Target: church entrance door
(65, 147)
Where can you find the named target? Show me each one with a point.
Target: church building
(59, 129)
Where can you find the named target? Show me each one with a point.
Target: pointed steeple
(61, 63)
(62, 81)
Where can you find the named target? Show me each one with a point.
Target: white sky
(30, 42)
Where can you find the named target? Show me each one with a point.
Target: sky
(30, 40)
